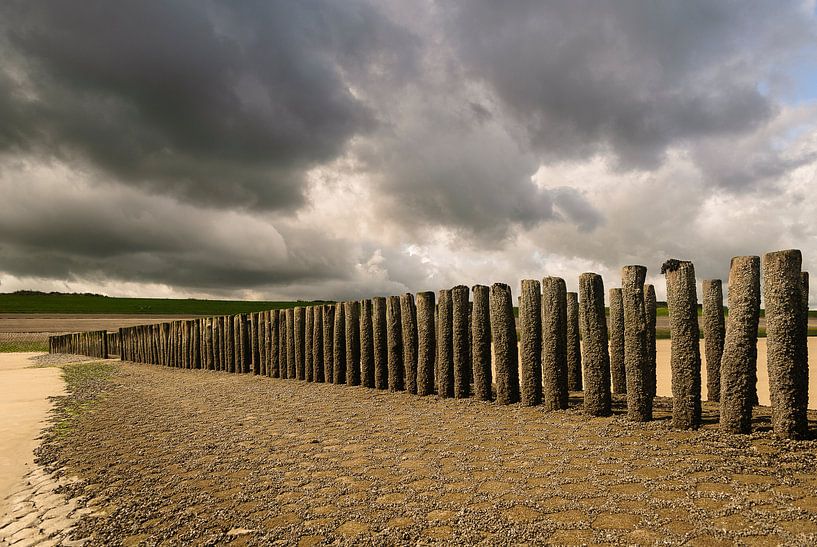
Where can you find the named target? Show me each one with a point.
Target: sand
(665, 375)
(664, 372)
(24, 408)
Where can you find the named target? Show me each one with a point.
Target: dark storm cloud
(140, 238)
(344, 148)
(629, 76)
(216, 103)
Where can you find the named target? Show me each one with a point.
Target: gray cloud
(216, 103)
(635, 78)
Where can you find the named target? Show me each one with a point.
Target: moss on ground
(86, 383)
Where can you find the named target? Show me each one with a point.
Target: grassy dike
(36, 302)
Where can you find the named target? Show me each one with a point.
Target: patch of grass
(10, 346)
(33, 302)
(85, 382)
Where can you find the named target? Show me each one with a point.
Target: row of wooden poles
(98, 343)
(93, 344)
(445, 345)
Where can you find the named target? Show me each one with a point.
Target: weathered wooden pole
(291, 368)
(574, 351)
(636, 356)
(782, 292)
(268, 343)
(445, 344)
(682, 302)
(426, 343)
(339, 359)
(481, 342)
(394, 336)
(262, 348)
(245, 344)
(408, 317)
(317, 344)
(308, 371)
(739, 359)
(222, 342)
(252, 335)
(366, 344)
(300, 343)
(506, 353)
(380, 343)
(208, 343)
(352, 312)
(595, 356)
(236, 359)
(329, 343)
(530, 344)
(275, 348)
(461, 340)
(283, 345)
(617, 372)
(714, 335)
(803, 340)
(651, 310)
(554, 343)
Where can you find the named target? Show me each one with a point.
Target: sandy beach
(24, 409)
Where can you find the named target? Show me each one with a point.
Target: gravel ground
(177, 456)
(59, 359)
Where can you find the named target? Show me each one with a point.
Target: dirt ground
(24, 409)
(182, 456)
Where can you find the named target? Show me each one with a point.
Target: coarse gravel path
(180, 456)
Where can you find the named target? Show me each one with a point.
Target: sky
(346, 149)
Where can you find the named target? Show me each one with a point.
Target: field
(51, 303)
(28, 319)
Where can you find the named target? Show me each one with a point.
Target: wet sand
(664, 372)
(24, 408)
